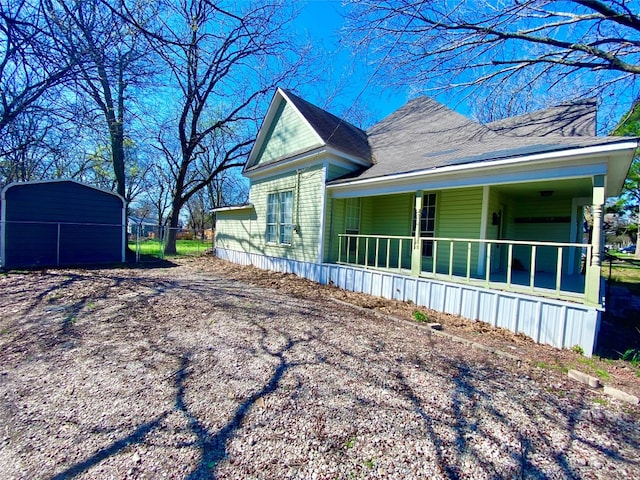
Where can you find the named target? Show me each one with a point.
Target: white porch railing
(376, 251)
(551, 269)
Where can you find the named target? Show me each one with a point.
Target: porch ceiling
(576, 187)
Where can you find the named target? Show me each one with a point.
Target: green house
(428, 206)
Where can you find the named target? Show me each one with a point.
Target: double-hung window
(280, 217)
(427, 223)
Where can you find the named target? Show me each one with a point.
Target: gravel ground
(185, 373)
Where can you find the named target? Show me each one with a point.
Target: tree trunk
(174, 218)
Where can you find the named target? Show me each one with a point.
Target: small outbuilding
(60, 222)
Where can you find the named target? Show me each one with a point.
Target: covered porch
(525, 237)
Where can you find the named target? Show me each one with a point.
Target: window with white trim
(427, 223)
(280, 217)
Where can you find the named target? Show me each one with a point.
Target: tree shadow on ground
(137, 436)
(212, 446)
(470, 394)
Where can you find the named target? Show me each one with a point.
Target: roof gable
(334, 131)
(284, 133)
(294, 126)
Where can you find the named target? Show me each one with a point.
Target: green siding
(308, 188)
(336, 171)
(384, 215)
(328, 227)
(235, 230)
(288, 134)
(543, 232)
(458, 215)
(336, 207)
(392, 214)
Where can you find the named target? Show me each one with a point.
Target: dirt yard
(208, 370)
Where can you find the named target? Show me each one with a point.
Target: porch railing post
(416, 253)
(592, 270)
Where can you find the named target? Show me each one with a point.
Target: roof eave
(629, 145)
(246, 206)
(278, 165)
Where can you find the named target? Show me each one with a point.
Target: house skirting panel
(559, 323)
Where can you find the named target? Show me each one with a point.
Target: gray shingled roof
(334, 131)
(571, 119)
(424, 135)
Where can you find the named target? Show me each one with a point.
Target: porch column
(416, 253)
(484, 217)
(592, 270)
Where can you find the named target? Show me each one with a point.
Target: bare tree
(199, 216)
(158, 194)
(99, 169)
(39, 145)
(505, 51)
(223, 63)
(112, 59)
(31, 61)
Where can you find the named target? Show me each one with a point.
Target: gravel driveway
(180, 373)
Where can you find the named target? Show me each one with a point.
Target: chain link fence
(27, 244)
(150, 243)
(34, 244)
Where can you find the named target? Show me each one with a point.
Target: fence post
(138, 243)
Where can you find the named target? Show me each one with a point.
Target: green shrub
(578, 349)
(420, 316)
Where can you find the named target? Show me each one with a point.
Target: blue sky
(360, 90)
(321, 21)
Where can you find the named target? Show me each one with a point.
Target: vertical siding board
(451, 299)
(468, 307)
(527, 320)
(549, 324)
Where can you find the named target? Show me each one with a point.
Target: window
(352, 216)
(427, 223)
(280, 217)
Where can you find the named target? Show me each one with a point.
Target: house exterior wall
(237, 230)
(61, 223)
(458, 215)
(288, 135)
(334, 215)
(245, 230)
(334, 224)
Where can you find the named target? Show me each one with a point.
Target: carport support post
(416, 252)
(58, 248)
(592, 270)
